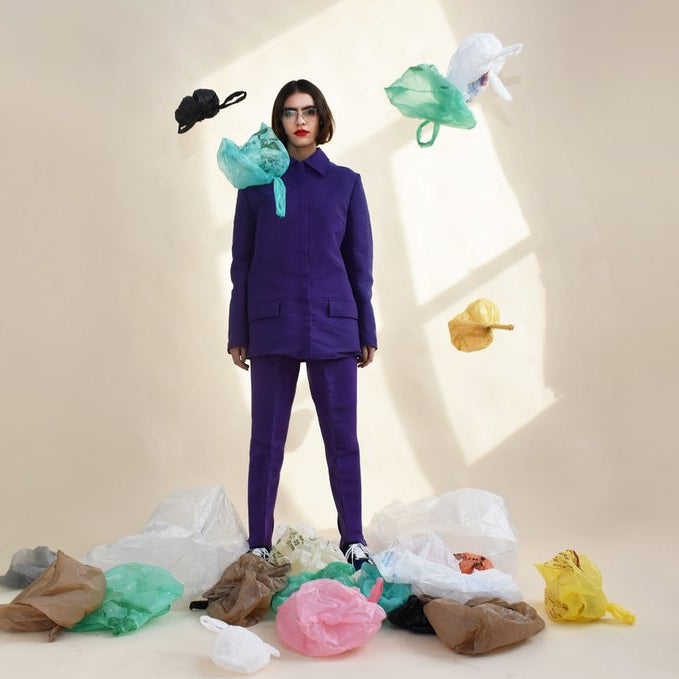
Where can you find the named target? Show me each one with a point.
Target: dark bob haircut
(326, 123)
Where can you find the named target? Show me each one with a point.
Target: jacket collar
(317, 161)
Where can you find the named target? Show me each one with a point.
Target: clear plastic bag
(327, 618)
(194, 533)
(467, 520)
(26, 566)
(263, 159)
(303, 551)
(478, 55)
(238, 649)
(436, 580)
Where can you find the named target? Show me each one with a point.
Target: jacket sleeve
(241, 257)
(357, 252)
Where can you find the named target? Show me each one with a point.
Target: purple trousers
(333, 389)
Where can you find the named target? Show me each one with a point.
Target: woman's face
(300, 120)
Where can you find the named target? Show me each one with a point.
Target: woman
(301, 293)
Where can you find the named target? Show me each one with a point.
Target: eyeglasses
(307, 113)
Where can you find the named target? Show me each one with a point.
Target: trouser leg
(273, 382)
(333, 389)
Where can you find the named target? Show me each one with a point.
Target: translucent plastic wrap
(468, 519)
(304, 551)
(194, 533)
(263, 159)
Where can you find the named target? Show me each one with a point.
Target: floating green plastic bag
(135, 593)
(394, 594)
(338, 570)
(422, 92)
(261, 160)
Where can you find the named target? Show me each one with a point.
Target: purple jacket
(302, 284)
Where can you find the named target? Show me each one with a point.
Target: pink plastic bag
(325, 617)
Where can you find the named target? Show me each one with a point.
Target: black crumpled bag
(202, 104)
(411, 615)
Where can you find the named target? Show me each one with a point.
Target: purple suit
(302, 287)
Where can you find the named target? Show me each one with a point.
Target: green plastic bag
(337, 570)
(135, 593)
(422, 92)
(394, 594)
(263, 159)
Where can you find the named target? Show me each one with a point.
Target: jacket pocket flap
(342, 309)
(263, 310)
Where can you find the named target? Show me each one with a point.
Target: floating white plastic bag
(480, 54)
(435, 579)
(237, 648)
(194, 533)
(467, 520)
(430, 547)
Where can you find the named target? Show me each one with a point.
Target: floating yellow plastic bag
(472, 330)
(573, 590)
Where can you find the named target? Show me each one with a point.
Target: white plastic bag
(194, 533)
(467, 520)
(305, 553)
(477, 55)
(435, 579)
(236, 648)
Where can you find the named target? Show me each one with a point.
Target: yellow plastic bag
(472, 330)
(573, 590)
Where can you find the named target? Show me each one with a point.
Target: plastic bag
(135, 594)
(341, 571)
(394, 594)
(26, 566)
(422, 92)
(411, 615)
(194, 533)
(472, 330)
(573, 591)
(482, 625)
(243, 594)
(303, 551)
(480, 54)
(62, 596)
(436, 580)
(327, 618)
(468, 519)
(261, 160)
(469, 562)
(238, 649)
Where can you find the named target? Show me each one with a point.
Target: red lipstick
(301, 133)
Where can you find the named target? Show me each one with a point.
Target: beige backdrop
(115, 385)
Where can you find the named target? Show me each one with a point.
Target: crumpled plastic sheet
(482, 625)
(63, 595)
(237, 649)
(243, 594)
(26, 566)
(394, 594)
(325, 617)
(468, 519)
(437, 580)
(135, 594)
(194, 533)
(305, 553)
(573, 591)
(411, 615)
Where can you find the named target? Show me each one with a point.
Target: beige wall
(115, 386)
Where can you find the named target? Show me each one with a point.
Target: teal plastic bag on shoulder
(423, 93)
(263, 159)
(135, 594)
(337, 570)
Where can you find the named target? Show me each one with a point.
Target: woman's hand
(239, 356)
(367, 354)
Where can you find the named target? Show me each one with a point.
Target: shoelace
(357, 552)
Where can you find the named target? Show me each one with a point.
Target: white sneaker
(260, 551)
(357, 554)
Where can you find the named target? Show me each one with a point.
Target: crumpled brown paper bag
(63, 595)
(482, 624)
(243, 594)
